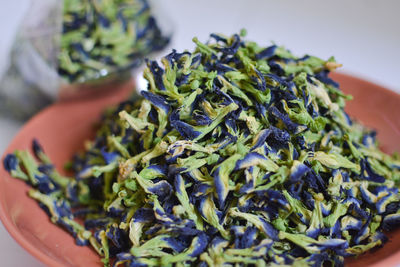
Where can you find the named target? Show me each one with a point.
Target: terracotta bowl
(63, 127)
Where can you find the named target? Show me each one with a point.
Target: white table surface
(364, 35)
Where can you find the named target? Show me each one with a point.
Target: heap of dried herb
(101, 37)
(236, 155)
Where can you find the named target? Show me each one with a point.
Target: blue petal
(10, 162)
(157, 100)
(186, 131)
(261, 110)
(81, 242)
(222, 68)
(267, 52)
(218, 38)
(175, 56)
(144, 215)
(392, 207)
(251, 159)
(382, 203)
(104, 22)
(62, 209)
(261, 138)
(201, 119)
(157, 73)
(260, 80)
(178, 183)
(217, 241)
(325, 211)
(334, 244)
(300, 170)
(269, 229)
(78, 47)
(231, 50)
(352, 225)
(45, 184)
(353, 201)
(161, 189)
(276, 67)
(356, 211)
(228, 99)
(372, 176)
(336, 231)
(200, 189)
(290, 125)
(276, 79)
(363, 233)
(118, 237)
(175, 244)
(122, 258)
(249, 237)
(379, 236)
(391, 221)
(220, 188)
(201, 244)
(161, 169)
(318, 259)
(366, 195)
(46, 168)
(323, 77)
(36, 147)
(109, 157)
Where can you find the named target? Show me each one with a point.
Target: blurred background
(363, 35)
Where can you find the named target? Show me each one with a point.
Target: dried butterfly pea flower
(102, 37)
(236, 155)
